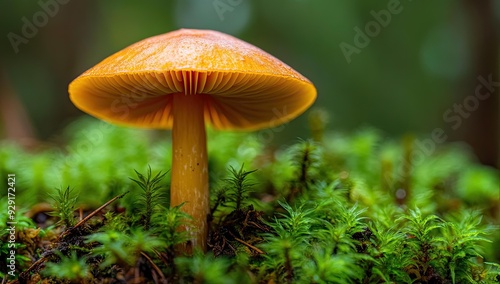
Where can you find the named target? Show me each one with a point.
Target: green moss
(343, 208)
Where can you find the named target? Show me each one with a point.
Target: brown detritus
(250, 246)
(430, 276)
(84, 220)
(30, 238)
(62, 244)
(155, 267)
(363, 237)
(72, 237)
(240, 229)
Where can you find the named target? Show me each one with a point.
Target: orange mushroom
(179, 81)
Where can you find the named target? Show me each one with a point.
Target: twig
(155, 267)
(25, 273)
(230, 246)
(249, 245)
(258, 226)
(65, 233)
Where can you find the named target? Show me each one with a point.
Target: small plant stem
(189, 182)
(404, 183)
(65, 233)
(238, 201)
(386, 167)
(80, 212)
(288, 267)
(149, 210)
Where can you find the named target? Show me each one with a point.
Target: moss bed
(93, 207)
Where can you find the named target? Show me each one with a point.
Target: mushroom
(180, 81)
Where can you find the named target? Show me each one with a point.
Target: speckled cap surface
(242, 86)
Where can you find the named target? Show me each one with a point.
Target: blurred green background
(400, 66)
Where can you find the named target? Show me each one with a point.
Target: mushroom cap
(242, 86)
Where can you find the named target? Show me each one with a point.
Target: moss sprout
(328, 210)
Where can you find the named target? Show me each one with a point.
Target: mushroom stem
(189, 182)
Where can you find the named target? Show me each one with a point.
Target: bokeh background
(400, 66)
